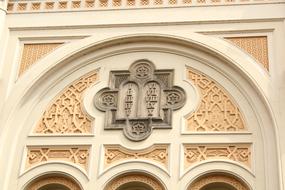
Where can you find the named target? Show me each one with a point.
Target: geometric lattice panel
(195, 153)
(256, 46)
(78, 155)
(92, 5)
(115, 154)
(33, 52)
(217, 112)
(65, 114)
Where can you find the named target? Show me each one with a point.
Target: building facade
(142, 95)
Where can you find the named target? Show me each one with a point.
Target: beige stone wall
(57, 55)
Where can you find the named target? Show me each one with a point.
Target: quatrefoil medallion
(140, 99)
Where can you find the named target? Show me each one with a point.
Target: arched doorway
(134, 181)
(218, 181)
(53, 182)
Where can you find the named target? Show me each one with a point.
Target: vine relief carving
(236, 152)
(66, 182)
(140, 99)
(217, 111)
(116, 153)
(65, 115)
(217, 178)
(130, 178)
(74, 154)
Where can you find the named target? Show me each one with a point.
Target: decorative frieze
(81, 5)
(255, 46)
(65, 115)
(194, 153)
(78, 155)
(63, 181)
(218, 178)
(139, 100)
(141, 180)
(33, 52)
(116, 154)
(216, 111)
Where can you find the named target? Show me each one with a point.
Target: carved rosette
(140, 99)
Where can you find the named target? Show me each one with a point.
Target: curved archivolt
(132, 181)
(222, 181)
(217, 111)
(65, 114)
(53, 182)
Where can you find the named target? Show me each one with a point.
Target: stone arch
(61, 63)
(218, 180)
(134, 180)
(53, 181)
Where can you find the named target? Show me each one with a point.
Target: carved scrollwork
(140, 99)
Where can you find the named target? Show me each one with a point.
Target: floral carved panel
(116, 154)
(140, 99)
(236, 152)
(216, 111)
(65, 115)
(78, 155)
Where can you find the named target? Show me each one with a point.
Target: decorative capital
(140, 99)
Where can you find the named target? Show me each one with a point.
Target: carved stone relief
(71, 5)
(125, 179)
(66, 182)
(33, 52)
(65, 115)
(74, 154)
(217, 111)
(117, 153)
(236, 152)
(255, 46)
(217, 178)
(140, 99)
